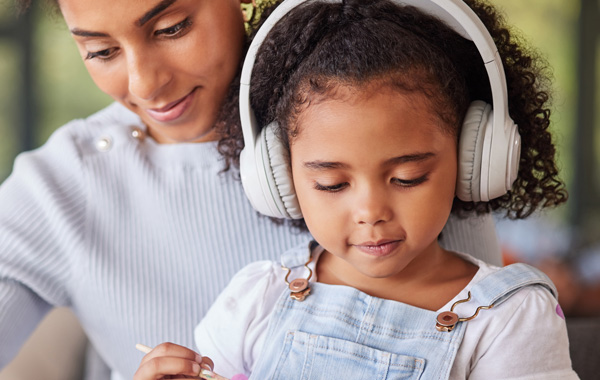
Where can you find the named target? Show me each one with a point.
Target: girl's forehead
(379, 96)
(364, 98)
(367, 114)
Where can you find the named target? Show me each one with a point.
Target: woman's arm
(41, 205)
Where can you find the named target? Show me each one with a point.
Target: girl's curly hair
(318, 46)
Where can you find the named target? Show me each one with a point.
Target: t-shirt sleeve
(532, 345)
(232, 331)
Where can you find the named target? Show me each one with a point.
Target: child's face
(170, 62)
(375, 177)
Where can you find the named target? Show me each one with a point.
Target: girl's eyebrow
(157, 9)
(410, 158)
(326, 165)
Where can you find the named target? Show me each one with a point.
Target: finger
(210, 375)
(167, 367)
(207, 363)
(172, 350)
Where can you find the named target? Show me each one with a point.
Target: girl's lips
(380, 248)
(173, 110)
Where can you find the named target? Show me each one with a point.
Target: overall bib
(339, 332)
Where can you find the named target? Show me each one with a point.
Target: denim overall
(339, 332)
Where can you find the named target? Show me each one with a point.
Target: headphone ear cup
(470, 151)
(277, 169)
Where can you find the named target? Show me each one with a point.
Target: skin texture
(173, 71)
(378, 198)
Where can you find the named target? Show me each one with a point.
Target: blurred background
(44, 85)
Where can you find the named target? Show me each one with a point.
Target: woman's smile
(174, 110)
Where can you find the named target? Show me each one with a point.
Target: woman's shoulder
(96, 133)
(78, 139)
(101, 131)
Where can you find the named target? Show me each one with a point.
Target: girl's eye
(331, 188)
(103, 55)
(410, 182)
(175, 31)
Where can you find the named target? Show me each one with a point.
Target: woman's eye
(331, 188)
(174, 31)
(104, 54)
(410, 182)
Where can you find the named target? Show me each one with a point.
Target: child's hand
(172, 361)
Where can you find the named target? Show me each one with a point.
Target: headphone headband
(454, 13)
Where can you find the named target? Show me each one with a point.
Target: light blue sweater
(136, 237)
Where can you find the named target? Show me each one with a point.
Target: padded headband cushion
(470, 149)
(280, 170)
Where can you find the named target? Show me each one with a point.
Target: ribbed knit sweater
(138, 238)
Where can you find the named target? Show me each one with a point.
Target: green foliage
(9, 65)
(550, 28)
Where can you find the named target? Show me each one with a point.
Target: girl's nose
(372, 208)
(147, 76)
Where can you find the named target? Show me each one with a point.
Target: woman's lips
(380, 248)
(173, 110)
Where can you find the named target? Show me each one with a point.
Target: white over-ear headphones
(489, 147)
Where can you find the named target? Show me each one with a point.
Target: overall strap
(297, 256)
(498, 286)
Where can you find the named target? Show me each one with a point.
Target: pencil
(141, 347)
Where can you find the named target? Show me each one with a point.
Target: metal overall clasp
(299, 288)
(447, 320)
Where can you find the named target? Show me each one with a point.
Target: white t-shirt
(523, 338)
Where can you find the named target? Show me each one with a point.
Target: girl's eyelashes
(331, 188)
(397, 181)
(410, 182)
(175, 31)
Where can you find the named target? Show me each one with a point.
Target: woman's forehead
(100, 14)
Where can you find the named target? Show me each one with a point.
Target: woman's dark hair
(320, 46)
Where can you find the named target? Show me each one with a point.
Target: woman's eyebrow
(87, 33)
(164, 4)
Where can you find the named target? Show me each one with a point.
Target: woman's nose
(147, 76)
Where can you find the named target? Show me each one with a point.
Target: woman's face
(170, 61)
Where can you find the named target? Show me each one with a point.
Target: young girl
(126, 217)
(374, 106)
